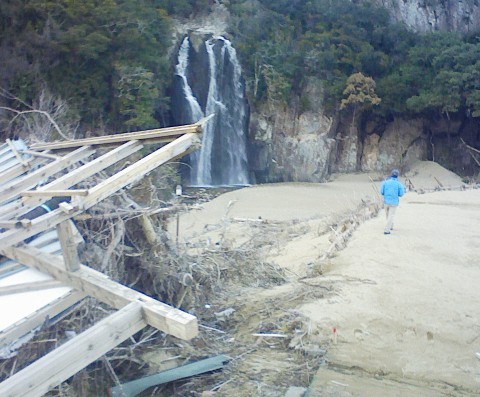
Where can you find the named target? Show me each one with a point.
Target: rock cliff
(435, 15)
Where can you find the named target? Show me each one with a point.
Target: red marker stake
(334, 335)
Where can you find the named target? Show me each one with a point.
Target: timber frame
(21, 191)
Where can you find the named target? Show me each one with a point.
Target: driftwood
(472, 150)
(347, 226)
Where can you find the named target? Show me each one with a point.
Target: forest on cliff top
(111, 61)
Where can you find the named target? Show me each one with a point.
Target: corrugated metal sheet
(18, 306)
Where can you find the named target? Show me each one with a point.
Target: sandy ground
(406, 306)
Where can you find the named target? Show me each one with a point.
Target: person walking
(391, 190)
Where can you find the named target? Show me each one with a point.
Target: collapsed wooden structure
(29, 177)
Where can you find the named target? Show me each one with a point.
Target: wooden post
(69, 246)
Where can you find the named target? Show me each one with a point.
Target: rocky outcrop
(293, 148)
(396, 144)
(402, 143)
(310, 146)
(435, 15)
(288, 146)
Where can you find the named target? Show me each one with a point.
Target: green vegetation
(359, 93)
(415, 74)
(108, 58)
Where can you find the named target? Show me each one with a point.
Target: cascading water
(222, 158)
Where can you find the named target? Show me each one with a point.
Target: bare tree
(48, 118)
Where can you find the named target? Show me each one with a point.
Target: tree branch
(46, 114)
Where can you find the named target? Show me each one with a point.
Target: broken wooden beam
(96, 284)
(49, 371)
(6, 175)
(20, 159)
(28, 287)
(139, 169)
(55, 193)
(43, 154)
(166, 134)
(127, 176)
(8, 224)
(15, 187)
(66, 181)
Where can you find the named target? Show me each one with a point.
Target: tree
(80, 50)
(359, 93)
(136, 93)
(47, 118)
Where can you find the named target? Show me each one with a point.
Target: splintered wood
(29, 178)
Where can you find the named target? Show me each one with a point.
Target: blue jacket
(391, 190)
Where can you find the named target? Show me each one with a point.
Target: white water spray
(222, 159)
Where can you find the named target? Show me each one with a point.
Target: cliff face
(435, 15)
(291, 146)
(286, 144)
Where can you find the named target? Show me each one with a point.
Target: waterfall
(192, 109)
(222, 158)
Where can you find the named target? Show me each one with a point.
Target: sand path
(407, 305)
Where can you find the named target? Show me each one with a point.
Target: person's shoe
(386, 232)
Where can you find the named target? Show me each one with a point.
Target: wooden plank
(55, 193)
(15, 187)
(19, 169)
(4, 148)
(29, 323)
(119, 138)
(40, 154)
(127, 176)
(54, 368)
(8, 157)
(21, 207)
(8, 224)
(69, 247)
(10, 266)
(28, 287)
(136, 171)
(36, 226)
(157, 314)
